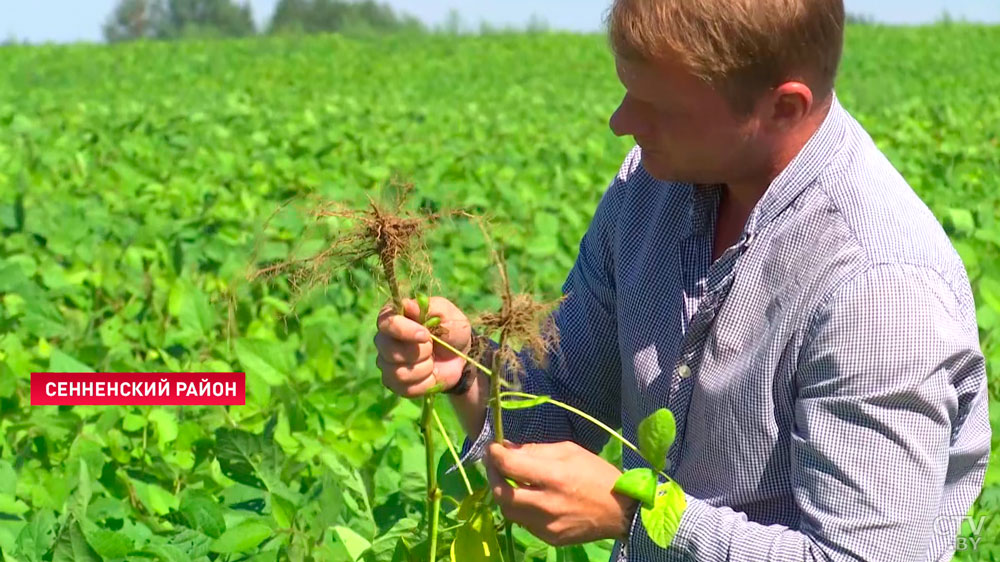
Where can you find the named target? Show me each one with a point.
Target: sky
(63, 21)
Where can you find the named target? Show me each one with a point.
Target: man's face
(688, 132)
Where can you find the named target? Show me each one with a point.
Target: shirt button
(684, 371)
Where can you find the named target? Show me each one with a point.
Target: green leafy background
(136, 182)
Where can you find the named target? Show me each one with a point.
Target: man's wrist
(630, 507)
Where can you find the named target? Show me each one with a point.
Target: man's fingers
(419, 389)
(402, 328)
(521, 504)
(405, 374)
(558, 450)
(412, 390)
(394, 351)
(410, 309)
(523, 464)
(440, 306)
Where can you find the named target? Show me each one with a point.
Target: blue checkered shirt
(825, 372)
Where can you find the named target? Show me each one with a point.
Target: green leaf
(192, 543)
(12, 277)
(109, 544)
(88, 451)
(37, 537)
(8, 383)
(547, 224)
(168, 552)
(639, 484)
(8, 478)
(133, 422)
(60, 362)
(203, 514)
(656, 435)
(104, 507)
(664, 518)
(166, 426)
(989, 293)
(402, 552)
(575, 553)
(267, 359)
(472, 503)
(83, 491)
(353, 544)
(476, 540)
(241, 538)
(72, 547)
(11, 505)
(523, 404)
(191, 308)
(249, 459)
(451, 483)
(959, 221)
(282, 510)
(156, 499)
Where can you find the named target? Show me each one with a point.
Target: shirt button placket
(683, 382)
(684, 371)
(679, 400)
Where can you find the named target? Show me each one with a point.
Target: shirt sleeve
(585, 370)
(891, 432)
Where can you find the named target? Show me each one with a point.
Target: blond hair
(741, 47)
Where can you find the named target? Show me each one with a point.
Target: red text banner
(147, 389)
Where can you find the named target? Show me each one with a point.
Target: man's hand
(565, 495)
(410, 362)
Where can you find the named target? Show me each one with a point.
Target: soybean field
(140, 182)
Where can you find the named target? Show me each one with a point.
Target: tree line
(175, 19)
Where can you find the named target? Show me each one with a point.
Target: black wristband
(464, 382)
(470, 372)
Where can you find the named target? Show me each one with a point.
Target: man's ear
(787, 105)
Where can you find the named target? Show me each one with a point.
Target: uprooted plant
(393, 237)
(522, 324)
(527, 329)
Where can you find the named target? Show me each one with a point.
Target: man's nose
(625, 122)
(617, 121)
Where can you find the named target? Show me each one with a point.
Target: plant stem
(454, 453)
(497, 410)
(580, 413)
(433, 493)
(435, 516)
(510, 541)
(389, 269)
(495, 394)
(475, 363)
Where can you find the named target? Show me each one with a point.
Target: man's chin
(657, 169)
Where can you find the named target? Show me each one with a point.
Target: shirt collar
(704, 205)
(802, 171)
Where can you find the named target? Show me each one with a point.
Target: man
(759, 268)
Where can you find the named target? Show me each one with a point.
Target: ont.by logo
(950, 524)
